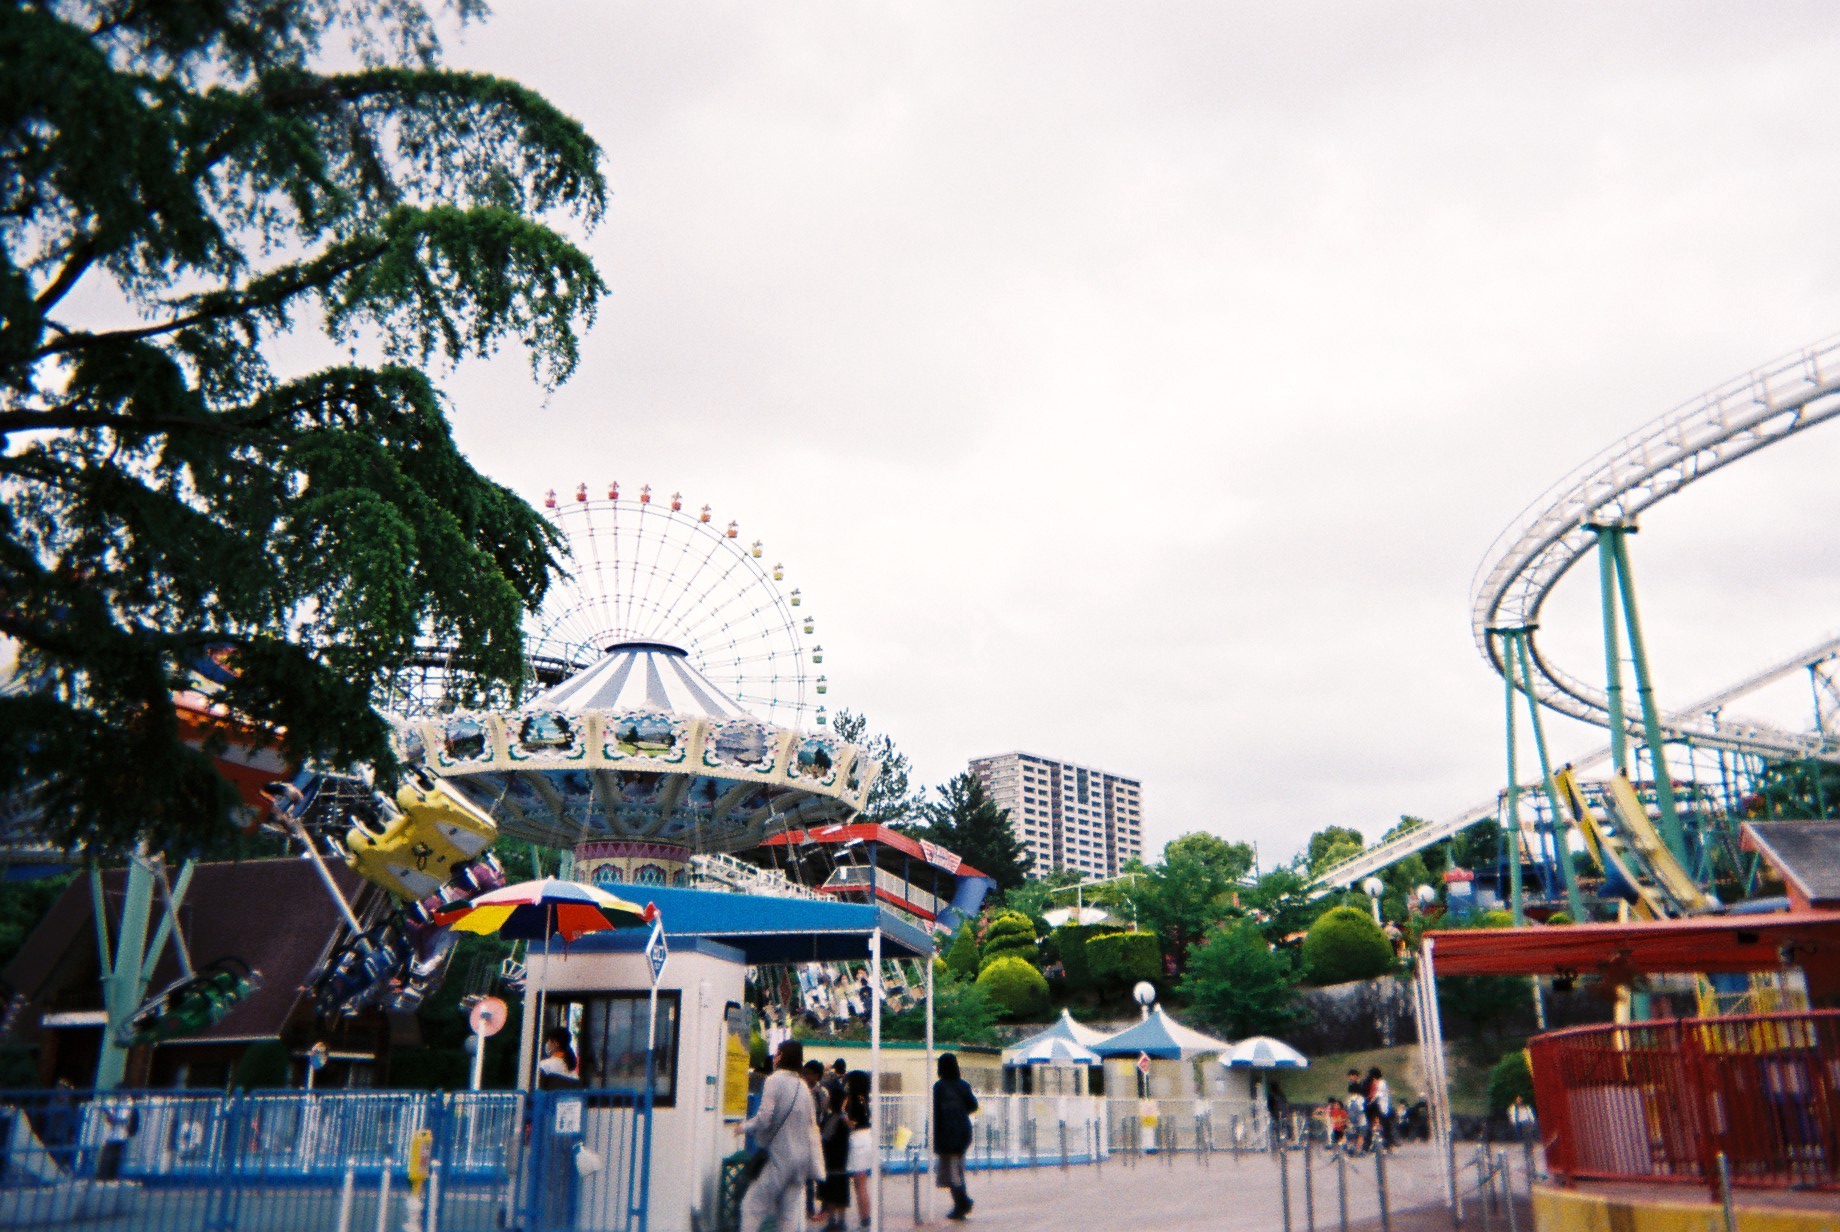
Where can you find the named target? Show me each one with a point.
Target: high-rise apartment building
(1067, 816)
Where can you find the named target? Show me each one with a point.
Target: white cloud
(1142, 384)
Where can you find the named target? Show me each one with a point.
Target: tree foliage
(1019, 990)
(1241, 985)
(962, 956)
(1193, 885)
(1509, 1077)
(1118, 961)
(1070, 943)
(891, 797)
(1345, 944)
(963, 1013)
(1332, 845)
(188, 186)
(966, 821)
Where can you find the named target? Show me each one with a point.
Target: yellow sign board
(734, 1065)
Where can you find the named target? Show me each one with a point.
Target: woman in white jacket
(784, 1126)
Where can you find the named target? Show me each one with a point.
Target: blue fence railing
(179, 1161)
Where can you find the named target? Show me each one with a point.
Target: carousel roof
(640, 675)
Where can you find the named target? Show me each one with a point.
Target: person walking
(1356, 1105)
(953, 1104)
(834, 1135)
(782, 1127)
(1379, 1109)
(862, 1139)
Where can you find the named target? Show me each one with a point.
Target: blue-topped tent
(1160, 1037)
(767, 931)
(1064, 1028)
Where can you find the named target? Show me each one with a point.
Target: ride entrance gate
(177, 1161)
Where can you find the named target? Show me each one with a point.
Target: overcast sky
(1142, 384)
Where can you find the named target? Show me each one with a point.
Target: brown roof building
(274, 915)
(1804, 856)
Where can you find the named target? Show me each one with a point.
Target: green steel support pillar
(1645, 695)
(1613, 650)
(122, 986)
(1515, 896)
(1574, 901)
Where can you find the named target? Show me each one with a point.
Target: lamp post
(1374, 888)
(1145, 994)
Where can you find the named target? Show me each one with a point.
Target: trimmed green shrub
(263, 1064)
(1070, 940)
(1019, 990)
(962, 957)
(1118, 960)
(1345, 944)
(1010, 934)
(1509, 1077)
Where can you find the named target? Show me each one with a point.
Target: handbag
(757, 1162)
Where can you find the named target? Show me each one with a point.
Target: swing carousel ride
(672, 706)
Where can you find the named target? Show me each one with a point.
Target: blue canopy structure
(767, 931)
(1160, 1037)
(1053, 1050)
(1064, 1028)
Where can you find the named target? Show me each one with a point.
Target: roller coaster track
(1752, 412)
(1766, 405)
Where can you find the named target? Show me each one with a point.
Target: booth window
(608, 1031)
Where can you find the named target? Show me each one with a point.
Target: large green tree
(1239, 984)
(1331, 845)
(1190, 889)
(192, 195)
(891, 797)
(966, 821)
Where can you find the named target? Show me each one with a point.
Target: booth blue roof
(1160, 1037)
(767, 930)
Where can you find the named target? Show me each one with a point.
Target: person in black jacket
(953, 1104)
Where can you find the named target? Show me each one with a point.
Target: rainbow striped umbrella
(539, 910)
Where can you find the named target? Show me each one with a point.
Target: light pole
(1374, 888)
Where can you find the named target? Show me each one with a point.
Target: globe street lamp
(1375, 888)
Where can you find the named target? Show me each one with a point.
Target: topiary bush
(1509, 1077)
(1345, 944)
(1119, 960)
(1010, 934)
(962, 957)
(1070, 941)
(1019, 990)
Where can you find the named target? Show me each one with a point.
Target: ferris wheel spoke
(651, 573)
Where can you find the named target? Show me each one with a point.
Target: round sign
(317, 1055)
(487, 1016)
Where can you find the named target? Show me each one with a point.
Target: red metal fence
(1658, 1101)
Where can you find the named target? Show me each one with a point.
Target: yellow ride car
(412, 850)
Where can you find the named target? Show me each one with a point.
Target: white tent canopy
(1263, 1052)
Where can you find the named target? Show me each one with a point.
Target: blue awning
(766, 930)
(1160, 1037)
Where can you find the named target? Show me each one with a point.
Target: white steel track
(1749, 413)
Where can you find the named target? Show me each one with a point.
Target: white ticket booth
(598, 991)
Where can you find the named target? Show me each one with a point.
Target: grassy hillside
(1327, 1077)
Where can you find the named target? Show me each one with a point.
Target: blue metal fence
(182, 1161)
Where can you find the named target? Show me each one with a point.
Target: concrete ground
(1221, 1193)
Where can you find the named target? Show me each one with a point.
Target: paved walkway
(1222, 1193)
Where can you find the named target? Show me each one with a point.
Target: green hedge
(1116, 961)
(1070, 940)
(962, 957)
(1019, 990)
(1510, 1077)
(1345, 944)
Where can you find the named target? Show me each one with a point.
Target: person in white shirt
(783, 1126)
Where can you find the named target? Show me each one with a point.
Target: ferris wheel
(644, 569)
